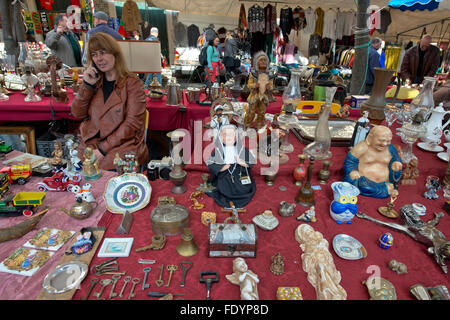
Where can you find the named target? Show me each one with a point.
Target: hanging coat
(131, 16)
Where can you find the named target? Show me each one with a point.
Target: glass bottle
(292, 94)
(424, 100)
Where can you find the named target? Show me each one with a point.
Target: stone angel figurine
(245, 278)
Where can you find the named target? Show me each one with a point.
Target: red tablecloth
(421, 266)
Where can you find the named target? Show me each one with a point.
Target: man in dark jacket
(374, 62)
(230, 52)
(101, 25)
(420, 61)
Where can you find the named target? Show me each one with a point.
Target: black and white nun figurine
(361, 129)
(230, 166)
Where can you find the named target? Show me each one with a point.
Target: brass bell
(187, 247)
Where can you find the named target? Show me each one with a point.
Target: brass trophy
(389, 210)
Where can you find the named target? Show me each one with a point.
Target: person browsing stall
(64, 43)
(213, 58)
(101, 25)
(374, 62)
(111, 103)
(154, 33)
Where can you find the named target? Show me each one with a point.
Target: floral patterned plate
(129, 192)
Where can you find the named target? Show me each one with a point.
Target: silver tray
(348, 247)
(65, 277)
(341, 131)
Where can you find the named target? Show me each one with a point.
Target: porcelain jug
(434, 124)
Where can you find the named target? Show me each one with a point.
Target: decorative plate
(65, 277)
(348, 247)
(129, 192)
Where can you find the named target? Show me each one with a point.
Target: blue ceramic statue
(374, 165)
(344, 207)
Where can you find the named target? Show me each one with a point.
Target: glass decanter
(410, 132)
(424, 100)
(320, 148)
(287, 121)
(292, 94)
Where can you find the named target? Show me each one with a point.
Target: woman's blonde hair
(103, 41)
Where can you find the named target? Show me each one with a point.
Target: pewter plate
(341, 131)
(348, 247)
(65, 277)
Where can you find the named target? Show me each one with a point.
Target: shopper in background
(231, 50)
(420, 61)
(64, 43)
(101, 25)
(213, 57)
(154, 33)
(111, 103)
(373, 62)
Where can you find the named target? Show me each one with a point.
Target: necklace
(231, 173)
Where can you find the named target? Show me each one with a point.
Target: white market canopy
(226, 13)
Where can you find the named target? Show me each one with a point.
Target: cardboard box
(356, 101)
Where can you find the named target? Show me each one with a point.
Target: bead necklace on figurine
(231, 173)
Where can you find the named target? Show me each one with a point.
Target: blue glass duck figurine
(344, 207)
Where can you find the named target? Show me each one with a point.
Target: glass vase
(292, 94)
(424, 100)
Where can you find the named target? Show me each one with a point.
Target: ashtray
(348, 247)
(65, 277)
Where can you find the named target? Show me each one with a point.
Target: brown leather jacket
(115, 126)
(411, 61)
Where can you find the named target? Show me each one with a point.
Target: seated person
(374, 165)
(230, 167)
(111, 102)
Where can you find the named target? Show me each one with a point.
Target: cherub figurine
(245, 278)
(432, 186)
(260, 83)
(57, 154)
(90, 165)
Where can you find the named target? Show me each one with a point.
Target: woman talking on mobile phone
(111, 102)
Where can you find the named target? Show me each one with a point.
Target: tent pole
(357, 85)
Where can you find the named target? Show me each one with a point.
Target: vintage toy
(90, 165)
(286, 209)
(23, 203)
(398, 267)
(57, 154)
(432, 186)
(4, 147)
(386, 240)
(308, 216)
(361, 129)
(61, 180)
(318, 263)
(344, 206)
(19, 174)
(4, 183)
(277, 265)
(246, 279)
(75, 161)
(84, 193)
(424, 232)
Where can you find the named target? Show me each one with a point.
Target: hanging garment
(385, 20)
(319, 22)
(374, 23)
(340, 23)
(329, 24)
(131, 16)
(286, 21)
(392, 57)
(268, 45)
(242, 23)
(350, 21)
(255, 19)
(314, 45)
(146, 28)
(193, 32)
(269, 22)
(295, 37)
(299, 18)
(310, 17)
(257, 42)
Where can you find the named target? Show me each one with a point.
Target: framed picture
(115, 247)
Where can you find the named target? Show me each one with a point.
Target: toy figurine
(83, 193)
(90, 165)
(245, 278)
(128, 165)
(344, 112)
(361, 129)
(386, 240)
(374, 165)
(432, 186)
(218, 120)
(260, 83)
(398, 267)
(308, 216)
(277, 265)
(75, 161)
(286, 209)
(344, 207)
(57, 154)
(118, 163)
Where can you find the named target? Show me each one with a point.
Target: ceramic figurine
(30, 80)
(308, 216)
(361, 129)
(245, 278)
(374, 165)
(57, 154)
(84, 193)
(129, 164)
(266, 220)
(344, 112)
(432, 186)
(318, 263)
(398, 267)
(277, 265)
(218, 120)
(75, 161)
(260, 83)
(299, 173)
(386, 240)
(286, 209)
(344, 207)
(90, 165)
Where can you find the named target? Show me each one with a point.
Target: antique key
(171, 268)
(185, 270)
(160, 281)
(135, 281)
(144, 284)
(125, 282)
(93, 281)
(115, 278)
(104, 283)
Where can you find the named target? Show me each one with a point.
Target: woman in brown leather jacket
(111, 103)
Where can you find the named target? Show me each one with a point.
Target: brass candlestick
(324, 174)
(305, 196)
(389, 210)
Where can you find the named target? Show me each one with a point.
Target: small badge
(246, 180)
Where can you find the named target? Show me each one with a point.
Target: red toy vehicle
(62, 180)
(19, 173)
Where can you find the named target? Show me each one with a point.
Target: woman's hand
(240, 162)
(91, 75)
(225, 167)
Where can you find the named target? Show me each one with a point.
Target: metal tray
(348, 247)
(341, 131)
(65, 277)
